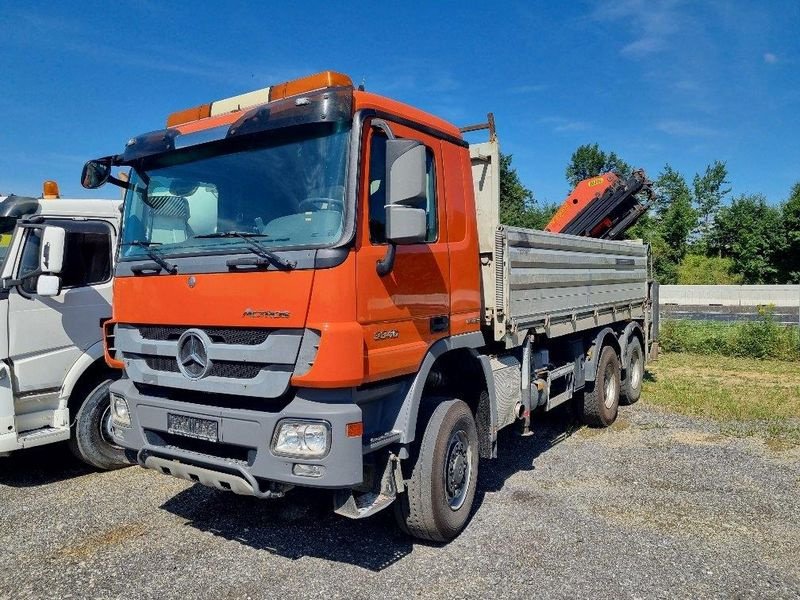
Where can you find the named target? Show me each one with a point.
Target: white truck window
(87, 255)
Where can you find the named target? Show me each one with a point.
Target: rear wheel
(91, 439)
(439, 495)
(601, 403)
(632, 386)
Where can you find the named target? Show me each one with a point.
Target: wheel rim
(636, 370)
(106, 428)
(457, 469)
(610, 386)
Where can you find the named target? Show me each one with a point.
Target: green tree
(697, 269)
(676, 220)
(590, 161)
(709, 192)
(790, 263)
(518, 207)
(751, 233)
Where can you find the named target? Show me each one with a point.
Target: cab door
(404, 312)
(46, 335)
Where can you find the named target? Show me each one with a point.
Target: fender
(631, 330)
(406, 422)
(79, 367)
(605, 336)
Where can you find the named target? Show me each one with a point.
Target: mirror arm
(385, 265)
(120, 182)
(384, 127)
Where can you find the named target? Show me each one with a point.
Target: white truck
(53, 377)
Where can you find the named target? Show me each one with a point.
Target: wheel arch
(452, 367)
(633, 330)
(605, 337)
(88, 368)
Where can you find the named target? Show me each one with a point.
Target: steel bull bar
(223, 475)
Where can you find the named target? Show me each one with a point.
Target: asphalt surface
(658, 506)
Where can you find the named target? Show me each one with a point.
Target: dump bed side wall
(559, 284)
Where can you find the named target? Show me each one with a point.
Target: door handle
(440, 323)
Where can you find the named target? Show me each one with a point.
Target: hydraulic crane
(603, 207)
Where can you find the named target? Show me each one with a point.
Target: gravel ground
(657, 506)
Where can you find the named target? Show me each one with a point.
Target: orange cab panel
(271, 299)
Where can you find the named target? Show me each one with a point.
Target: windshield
(286, 191)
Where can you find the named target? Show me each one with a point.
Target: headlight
(120, 415)
(307, 439)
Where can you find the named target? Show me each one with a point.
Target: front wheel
(439, 495)
(91, 439)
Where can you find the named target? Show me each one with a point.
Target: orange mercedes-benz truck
(313, 289)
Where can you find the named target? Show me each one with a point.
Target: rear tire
(91, 439)
(601, 403)
(632, 386)
(439, 495)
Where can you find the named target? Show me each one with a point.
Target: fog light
(308, 439)
(120, 415)
(308, 470)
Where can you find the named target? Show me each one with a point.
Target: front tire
(601, 403)
(91, 439)
(439, 495)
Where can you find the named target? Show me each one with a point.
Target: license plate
(201, 429)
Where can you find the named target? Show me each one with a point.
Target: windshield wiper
(157, 257)
(254, 246)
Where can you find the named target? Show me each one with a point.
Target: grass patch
(748, 397)
(753, 339)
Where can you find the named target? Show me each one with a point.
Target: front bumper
(242, 461)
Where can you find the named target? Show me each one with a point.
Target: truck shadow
(40, 466)
(303, 524)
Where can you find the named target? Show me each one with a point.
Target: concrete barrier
(730, 295)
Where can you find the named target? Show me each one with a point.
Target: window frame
(71, 226)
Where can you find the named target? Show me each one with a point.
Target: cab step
(45, 435)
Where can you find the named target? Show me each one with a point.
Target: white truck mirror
(48, 285)
(51, 258)
(406, 191)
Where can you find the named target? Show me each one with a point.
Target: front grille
(162, 363)
(219, 335)
(220, 368)
(215, 399)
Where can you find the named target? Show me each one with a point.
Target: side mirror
(51, 253)
(95, 173)
(48, 285)
(406, 192)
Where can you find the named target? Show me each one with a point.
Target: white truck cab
(53, 378)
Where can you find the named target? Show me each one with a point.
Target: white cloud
(561, 124)
(770, 58)
(681, 128)
(655, 21)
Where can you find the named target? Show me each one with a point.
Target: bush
(696, 269)
(753, 339)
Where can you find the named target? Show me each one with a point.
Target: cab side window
(377, 192)
(87, 256)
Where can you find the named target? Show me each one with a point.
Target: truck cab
(53, 379)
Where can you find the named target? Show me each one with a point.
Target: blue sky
(658, 82)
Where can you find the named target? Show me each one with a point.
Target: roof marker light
(247, 100)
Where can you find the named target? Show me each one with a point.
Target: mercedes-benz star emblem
(192, 356)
